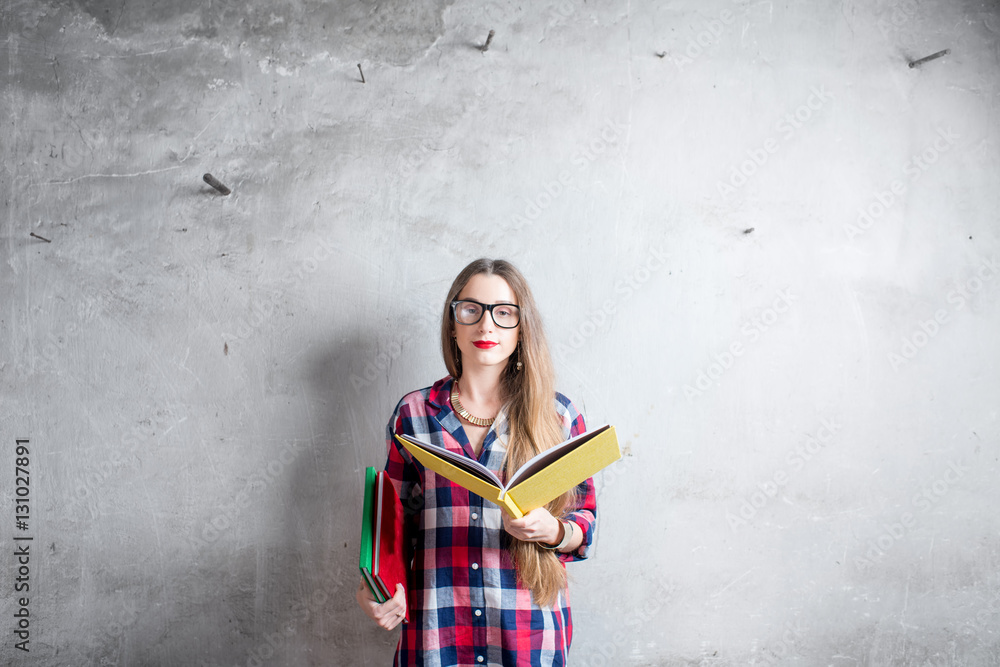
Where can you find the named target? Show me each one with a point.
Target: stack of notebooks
(383, 537)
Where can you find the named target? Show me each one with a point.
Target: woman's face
(484, 343)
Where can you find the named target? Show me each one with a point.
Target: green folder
(367, 537)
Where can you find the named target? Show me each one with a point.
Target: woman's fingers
(395, 608)
(392, 612)
(400, 599)
(538, 525)
(387, 614)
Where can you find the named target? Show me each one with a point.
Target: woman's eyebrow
(498, 303)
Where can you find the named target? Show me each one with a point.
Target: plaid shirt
(466, 606)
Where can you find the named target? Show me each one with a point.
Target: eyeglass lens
(470, 312)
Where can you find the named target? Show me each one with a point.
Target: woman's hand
(538, 525)
(388, 614)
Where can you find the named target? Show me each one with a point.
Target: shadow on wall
(323, 524)
(310, 616)
(274, 582)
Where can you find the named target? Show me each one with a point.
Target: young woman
(486, 589)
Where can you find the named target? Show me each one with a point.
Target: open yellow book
(544, 477)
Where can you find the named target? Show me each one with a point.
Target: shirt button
(475, 566)
(479, 658)
(479, 612)
(474, 516)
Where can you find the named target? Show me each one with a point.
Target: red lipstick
(484, 344)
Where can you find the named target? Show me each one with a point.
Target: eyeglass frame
(485, 307)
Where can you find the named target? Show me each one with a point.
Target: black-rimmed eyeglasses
(505, 315)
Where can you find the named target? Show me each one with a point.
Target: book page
(474, 468)
(544, 459)
(377, 532)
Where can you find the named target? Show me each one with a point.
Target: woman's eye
(503, 312)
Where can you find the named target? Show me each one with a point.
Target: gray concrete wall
(765, 247)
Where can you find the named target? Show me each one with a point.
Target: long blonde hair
(528, 396)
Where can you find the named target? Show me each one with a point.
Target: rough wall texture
(766, 248)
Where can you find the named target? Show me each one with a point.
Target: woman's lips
(484, 344)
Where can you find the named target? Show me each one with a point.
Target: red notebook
(389, 552)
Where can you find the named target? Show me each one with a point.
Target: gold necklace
(466, 415)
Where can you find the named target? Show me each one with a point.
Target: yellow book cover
(544, 477)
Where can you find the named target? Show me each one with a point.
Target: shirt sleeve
(583, 512)
(400, 466)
